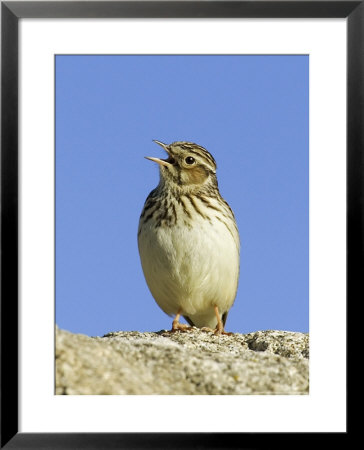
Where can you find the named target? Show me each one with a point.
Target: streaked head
(188, 165)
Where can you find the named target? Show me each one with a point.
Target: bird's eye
(190, 160)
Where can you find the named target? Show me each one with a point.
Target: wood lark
(189, 241)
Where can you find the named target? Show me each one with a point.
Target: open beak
(165, 146)
(161, 162)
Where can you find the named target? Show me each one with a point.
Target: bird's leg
(176, 326)
(220, 326)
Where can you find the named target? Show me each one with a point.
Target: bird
(188, 240)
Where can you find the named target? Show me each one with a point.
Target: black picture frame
(11, 12)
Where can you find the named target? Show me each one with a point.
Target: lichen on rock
(192, 363)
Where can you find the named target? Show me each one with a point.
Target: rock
(192, 363)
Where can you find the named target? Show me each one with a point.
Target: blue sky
(250, 112)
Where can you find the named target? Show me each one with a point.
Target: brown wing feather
(223, 318)
(189, 321)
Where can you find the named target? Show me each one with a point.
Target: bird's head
(188, 166)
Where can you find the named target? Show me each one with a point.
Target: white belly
(191, 269)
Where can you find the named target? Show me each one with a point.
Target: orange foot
(180, 327)
(220, 326)
(216, 331)
(176, 326)
(207, 330)
(222, 332)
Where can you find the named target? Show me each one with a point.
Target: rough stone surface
(192, 363)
